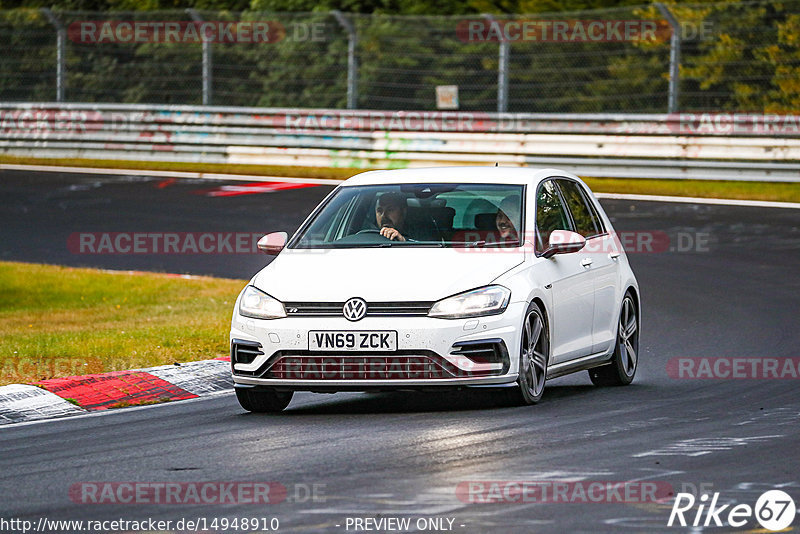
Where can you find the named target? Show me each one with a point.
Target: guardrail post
(674, 57)
(352, 65)
(502, 70)
(61, 43)
(207, 65)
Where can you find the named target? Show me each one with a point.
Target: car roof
(475, 174)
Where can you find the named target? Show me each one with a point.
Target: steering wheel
(371, 231)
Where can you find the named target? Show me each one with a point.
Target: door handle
(586, 262)
(614, 255)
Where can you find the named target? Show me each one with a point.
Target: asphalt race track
(734, 292)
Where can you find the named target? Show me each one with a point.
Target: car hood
(382, 274)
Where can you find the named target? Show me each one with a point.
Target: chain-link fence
(731, 56)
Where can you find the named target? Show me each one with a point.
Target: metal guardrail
(698, 146)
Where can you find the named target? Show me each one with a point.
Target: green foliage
(126, 5)
(746, 59)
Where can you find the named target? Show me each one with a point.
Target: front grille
(374, 309)
(422, 365)
(244, 351)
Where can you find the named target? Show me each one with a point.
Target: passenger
(507, 218)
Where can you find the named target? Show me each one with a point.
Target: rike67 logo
(774, 510)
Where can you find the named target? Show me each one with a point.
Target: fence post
(207, 65)
(674, 57)
(502, 78)
(502, 69)
(61, 43)
(352, 65)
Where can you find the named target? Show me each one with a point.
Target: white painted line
(256, 178)
(171, 174)
(700, 200)
(325, 181)
(702, 446)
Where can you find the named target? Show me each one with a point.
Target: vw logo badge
(354, 309)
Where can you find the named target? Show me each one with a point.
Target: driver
(390, 214)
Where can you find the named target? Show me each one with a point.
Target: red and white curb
(76, 395)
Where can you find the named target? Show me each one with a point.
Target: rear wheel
(533, 357)
(623, 364)
(263, 400)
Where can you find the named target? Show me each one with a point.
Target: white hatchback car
(439, 277)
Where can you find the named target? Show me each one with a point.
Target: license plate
(353, 340)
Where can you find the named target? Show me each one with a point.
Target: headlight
(489, 300)
(257, 304)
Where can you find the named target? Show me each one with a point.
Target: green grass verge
(780, 192)
(60, 321)
(775, 192)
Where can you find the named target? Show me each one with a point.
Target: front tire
(263, 400)
(534, 354)
(626, 352)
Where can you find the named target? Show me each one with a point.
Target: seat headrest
(485, 221)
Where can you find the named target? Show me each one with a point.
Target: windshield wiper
(418, 244)
(481, 243)
(436, 244)
(389, 244)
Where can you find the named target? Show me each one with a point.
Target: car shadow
(428, 402)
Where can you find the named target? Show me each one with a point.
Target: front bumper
(442, 343)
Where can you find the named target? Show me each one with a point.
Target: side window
(585, 223)
(550, 214)
(598, 222)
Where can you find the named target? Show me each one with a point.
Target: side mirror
(563, 242)
(273, 243)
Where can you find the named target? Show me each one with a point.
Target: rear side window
(598, 221)
(587, 223)
(550, 213)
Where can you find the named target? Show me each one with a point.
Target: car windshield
(433, 215)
